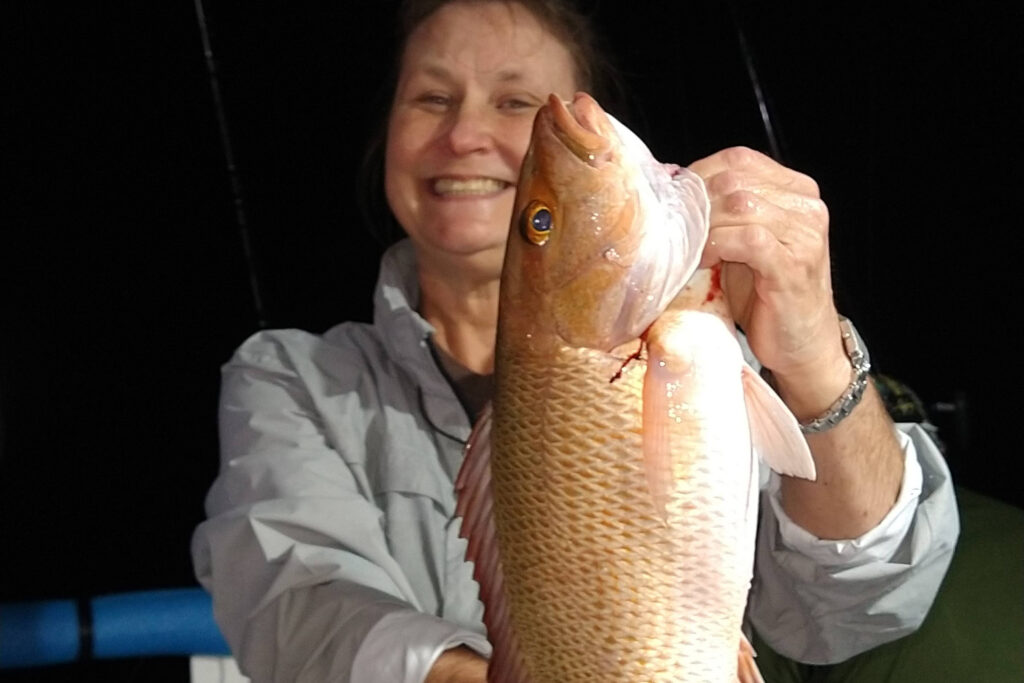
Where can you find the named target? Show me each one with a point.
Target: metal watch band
(844, 405)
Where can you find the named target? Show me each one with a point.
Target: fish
(609, 491)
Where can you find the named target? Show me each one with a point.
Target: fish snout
(586, 130)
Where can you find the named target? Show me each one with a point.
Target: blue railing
(176, 621)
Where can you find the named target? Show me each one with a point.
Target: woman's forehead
(503, 41)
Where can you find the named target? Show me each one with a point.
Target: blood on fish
(629, 359)
(716, 282)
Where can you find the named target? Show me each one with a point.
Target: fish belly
(599, 585)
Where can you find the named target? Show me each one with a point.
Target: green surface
(975, 629)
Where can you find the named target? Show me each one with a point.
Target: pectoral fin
(656, 433)
(774, 432)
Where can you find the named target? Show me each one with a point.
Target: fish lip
(585, 130)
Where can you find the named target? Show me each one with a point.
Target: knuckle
(724, 183)
(801, 183)
(742, 202)
(757, 237)
(821, 209)
(815, 189)
(740, 156)
(818, 211)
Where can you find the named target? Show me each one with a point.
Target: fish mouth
(585, 131)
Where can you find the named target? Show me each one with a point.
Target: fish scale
(577, 604)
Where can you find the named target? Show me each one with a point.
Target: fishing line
(755, 83)
(241, 219)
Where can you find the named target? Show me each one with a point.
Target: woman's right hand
(458, 665)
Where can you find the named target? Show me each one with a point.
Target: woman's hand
(769, 228)
(458, 665)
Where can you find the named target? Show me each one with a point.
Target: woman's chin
(476, 253)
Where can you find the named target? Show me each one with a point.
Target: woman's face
(472, 77)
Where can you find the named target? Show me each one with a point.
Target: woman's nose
(472, 130)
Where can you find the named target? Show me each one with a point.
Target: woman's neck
(464, 314)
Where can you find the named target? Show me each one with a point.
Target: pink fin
(475, 506)
(774, 432)
(746, 668)
(656, 434)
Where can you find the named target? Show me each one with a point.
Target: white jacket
(331, 550)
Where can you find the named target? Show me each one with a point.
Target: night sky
(125, 285)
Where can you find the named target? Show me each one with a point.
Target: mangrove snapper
(610, 494)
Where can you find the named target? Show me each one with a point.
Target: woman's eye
(517, 103)
(434, 99)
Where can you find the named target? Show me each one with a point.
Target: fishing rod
(755, 83)
(241, 219)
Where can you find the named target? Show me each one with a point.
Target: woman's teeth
(461, 186)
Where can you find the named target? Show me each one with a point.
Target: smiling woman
(469, 80)
(592, 71)
(332, 548)
(125, 288)
(472, 77)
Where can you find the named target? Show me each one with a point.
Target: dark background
(125, 286)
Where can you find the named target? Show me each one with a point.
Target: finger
(741, 167)
(751, 189)
(752, 245)
(747, 161)
(808, 222)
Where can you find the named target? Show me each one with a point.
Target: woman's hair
(561, 18)
(595, 74)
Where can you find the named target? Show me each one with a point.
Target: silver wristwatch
(844, 405)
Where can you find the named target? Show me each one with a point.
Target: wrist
(823, 393)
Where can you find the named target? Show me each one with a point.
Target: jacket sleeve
(293, 551)
(821, 602)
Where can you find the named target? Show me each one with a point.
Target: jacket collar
(406, 334)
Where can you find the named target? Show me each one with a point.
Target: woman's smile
(458, 187)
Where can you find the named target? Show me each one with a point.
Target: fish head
(603, 236)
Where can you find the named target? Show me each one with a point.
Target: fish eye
(537, 223)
